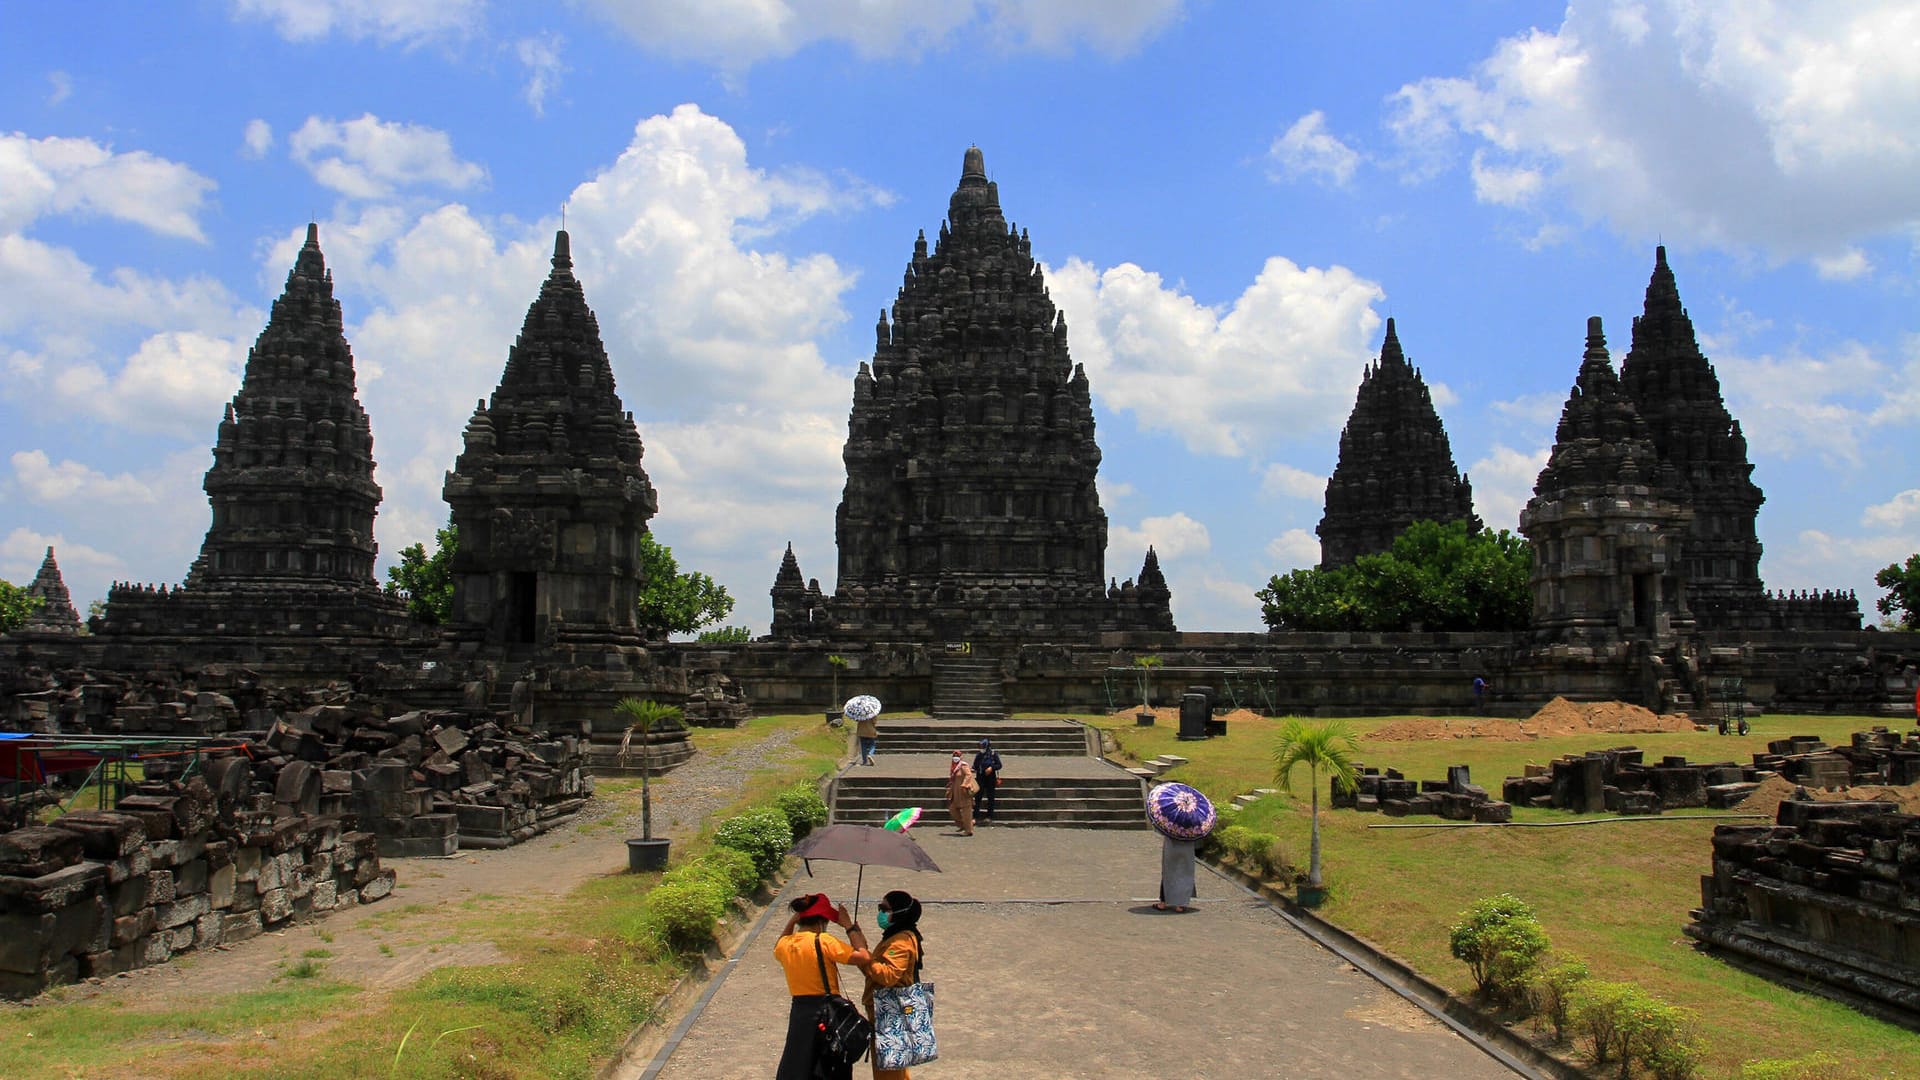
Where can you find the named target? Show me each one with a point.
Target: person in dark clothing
(986, 769)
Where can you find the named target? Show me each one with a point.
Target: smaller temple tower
(549, 496)
(1396, 465)
(1608, 519)
(55, 614)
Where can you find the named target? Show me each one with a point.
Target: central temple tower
(970, 509)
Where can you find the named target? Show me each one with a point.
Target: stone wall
(1829, 894)
(174, 869)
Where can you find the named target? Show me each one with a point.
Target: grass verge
(1615, 893)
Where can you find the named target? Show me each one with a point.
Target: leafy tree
(725, 635)
(1439, 577)
(427, 580)
(1500, 940)
(672, 602)
(15, 606)
(1144, 666)
(1327, 747)
(642, 716)
(1903, 592)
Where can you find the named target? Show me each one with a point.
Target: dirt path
(392, 943)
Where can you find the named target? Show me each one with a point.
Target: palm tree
(1146, 664)
(1329, 746)
(837, 662)
(644, 714)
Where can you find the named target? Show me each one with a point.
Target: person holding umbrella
(895, 962)
(961, 788)
(811, 958)
(1183, 817)
(865, 713)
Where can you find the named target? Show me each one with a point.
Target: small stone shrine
(55, 615)
(1607, 520)
(1675, 390)
(291, 548)
(1396, 465)
(549, 497)
(970, 509)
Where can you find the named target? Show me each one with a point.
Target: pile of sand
(1557, 717)
(1776, 789)
(1170, 714)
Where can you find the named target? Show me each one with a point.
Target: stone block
(51, 892)
(129, 928)
(220, 884)
(163, 853)
(25, 942)
(154, 811)
(37, 850)
(126, 897)
(190, 877)
(240, 926)
(1493, 812)
(246, 863)
(206, 929)
(275, 906)
(179, 939)
(1396, 808)
(326, 895)
(380, 886)
(128, 866)
(155, 950)
(160, 887)
(181, 911)
(104, 834)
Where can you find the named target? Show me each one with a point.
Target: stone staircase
(967, 688)
(1052, 777)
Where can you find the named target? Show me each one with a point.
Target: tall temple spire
(970, 508)
(548, 495)
(1675, 389)
(1396, 464)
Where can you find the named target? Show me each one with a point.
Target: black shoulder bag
(844, 1035)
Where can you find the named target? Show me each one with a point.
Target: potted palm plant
(837, 663)
(645, 853)
(1144, 666)
(1327, 747)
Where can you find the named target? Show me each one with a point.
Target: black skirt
(796, 1061)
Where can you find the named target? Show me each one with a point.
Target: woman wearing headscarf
(895, 961)
(808, 954)
(961, 786)
(986, 770)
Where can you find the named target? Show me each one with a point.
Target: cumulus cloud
(740, 34)
(1294, 549)
(1171, 536)
(257, 139)
(1794, 403)
(1813, 557)
(389, 22)
(1848, 265)
(1281, 479)
(23, 549)
(1771, 126)
(1503, 482)
(540, 55)
(57, 175)
(1307, 149)
(46, 481)
(1895, 512)
(371, 158)
(1282, 360)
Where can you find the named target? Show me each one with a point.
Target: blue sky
(1229, 198)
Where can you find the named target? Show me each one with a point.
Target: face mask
(885, 919)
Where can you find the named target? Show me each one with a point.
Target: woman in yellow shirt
(895, 962)
(806, 952)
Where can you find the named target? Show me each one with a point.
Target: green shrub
(1553, 991)
(734, 867)
(1818, 1065)
(1595, 1010)
(1501, 941)
(763, 834)
(804, 808)
(1659, 1036)
(682, 914)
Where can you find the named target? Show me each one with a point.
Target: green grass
(103, 1038)
(1615, 893)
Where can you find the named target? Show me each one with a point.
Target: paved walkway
(1050, 962)
(1014, 766)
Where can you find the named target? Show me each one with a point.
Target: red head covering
(820, 908)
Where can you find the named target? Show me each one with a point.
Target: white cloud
(1282, 361)
(1295, 548)
(1795, 404)
(1540, 410)
(58, 175)
(1308, 149)
(59, 87)
(1170, 535)
(1282, 479)
(402, 22)
(23, 549)
(45, 481)
(257, 139)
(739, 33)
(1848, 265)
(1814, 559)
(1503, 482)
(1895, 512)
(1787, 128)
(540, 55)
(371, 158)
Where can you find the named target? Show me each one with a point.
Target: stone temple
(55, 615)
(1395, 468)
(970, 509)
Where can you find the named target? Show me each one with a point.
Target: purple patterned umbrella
(1180, 812)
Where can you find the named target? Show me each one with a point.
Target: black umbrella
(864, 846)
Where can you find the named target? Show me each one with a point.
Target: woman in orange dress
(804, 950)
(961, 786)
(895, 961)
